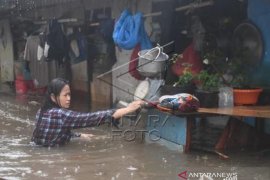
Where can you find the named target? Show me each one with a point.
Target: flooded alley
(102, 157)
(171, 70)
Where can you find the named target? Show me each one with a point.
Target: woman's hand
(132, 107)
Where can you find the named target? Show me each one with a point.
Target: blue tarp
(259, 14)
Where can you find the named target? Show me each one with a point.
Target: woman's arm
(132, 107)
(75, 120)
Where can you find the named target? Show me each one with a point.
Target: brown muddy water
(101, 157)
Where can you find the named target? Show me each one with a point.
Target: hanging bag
(129, 31)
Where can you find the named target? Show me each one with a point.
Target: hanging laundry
(41, 71)
(40, 53)
(56, 42)
(106, 29)
(78, 47)
(134, 60)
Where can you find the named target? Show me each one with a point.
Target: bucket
(152, 62)
(21, 86)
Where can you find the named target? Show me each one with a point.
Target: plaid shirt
(54, 128)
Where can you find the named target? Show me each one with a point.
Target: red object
(30, 85)
(134, 60)
(190, 56)
(246, 96)
(21, 86)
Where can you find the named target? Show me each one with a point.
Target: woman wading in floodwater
(54, 122)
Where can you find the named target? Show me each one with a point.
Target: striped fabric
(54, 128)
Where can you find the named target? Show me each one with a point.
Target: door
(6, 52)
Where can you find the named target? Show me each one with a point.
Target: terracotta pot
(246, 96)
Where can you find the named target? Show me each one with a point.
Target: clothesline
(181, 8)
(59, 20)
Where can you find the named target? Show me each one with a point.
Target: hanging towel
(134, 63)
(129, 31)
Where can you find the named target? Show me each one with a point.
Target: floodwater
(102, 157)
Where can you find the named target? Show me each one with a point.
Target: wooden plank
(244, 111)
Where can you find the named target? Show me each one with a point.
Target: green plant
(187, 77)
(241, 68)
(236, 70)
(208, 81)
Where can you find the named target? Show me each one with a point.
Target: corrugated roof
(6, 5)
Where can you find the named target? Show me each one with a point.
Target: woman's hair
(54, 88)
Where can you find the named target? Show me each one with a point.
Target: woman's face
(64, 97)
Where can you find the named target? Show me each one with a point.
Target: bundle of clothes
(182, 102)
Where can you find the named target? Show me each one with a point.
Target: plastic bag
(225, 97)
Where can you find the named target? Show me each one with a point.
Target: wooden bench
(260, 113)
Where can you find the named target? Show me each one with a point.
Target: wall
(259, 14)
(79, 76)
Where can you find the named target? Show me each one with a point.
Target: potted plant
(186, 80)
(183, 84)
(236, 72)
(242, 68)
(207, 88)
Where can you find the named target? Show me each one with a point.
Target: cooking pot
(152, 62)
